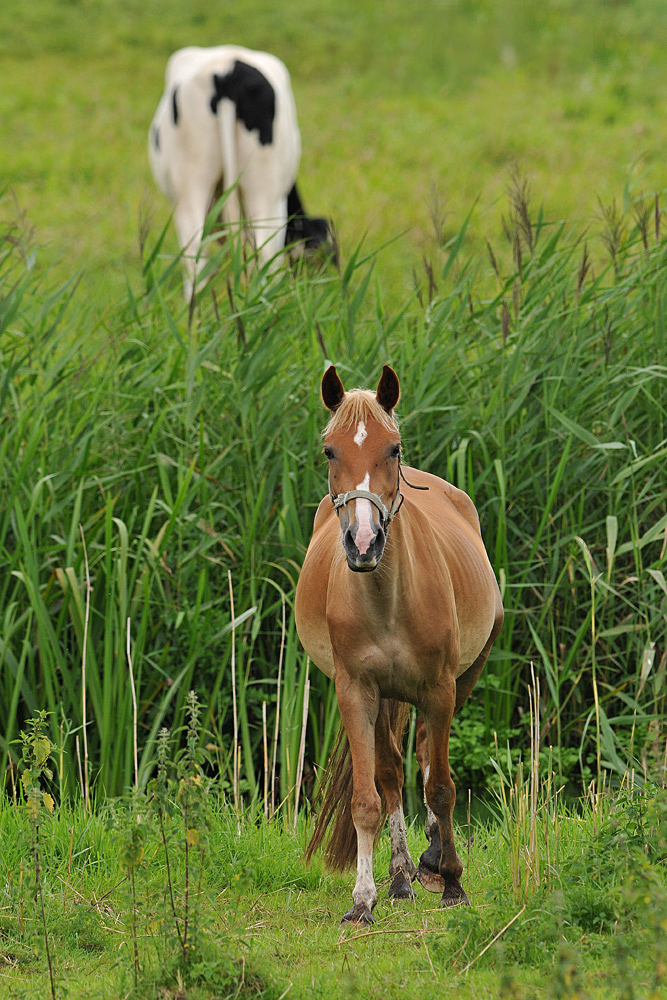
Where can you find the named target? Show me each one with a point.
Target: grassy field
(564, 902)
(402, 110)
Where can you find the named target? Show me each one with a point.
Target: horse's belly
(474, 634)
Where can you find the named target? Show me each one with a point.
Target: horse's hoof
(430, 880)
(454, 895)
(400, 888)
(358, 915)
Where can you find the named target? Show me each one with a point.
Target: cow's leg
(189, 218)
(266, 219)
(389, 772)
(440, 790)
(359, 706)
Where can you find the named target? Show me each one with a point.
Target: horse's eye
(328, 454)
(396, 451)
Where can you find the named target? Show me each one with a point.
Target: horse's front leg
(441, 793)
(359, 704)
(389, 771)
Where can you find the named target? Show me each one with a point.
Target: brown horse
(395, 617)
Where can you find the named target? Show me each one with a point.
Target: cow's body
(227, 117)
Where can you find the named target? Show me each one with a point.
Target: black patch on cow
(313, 231)
(174, 104)
(156, 138)
(253, 96)
(294, 207)
(301, 228)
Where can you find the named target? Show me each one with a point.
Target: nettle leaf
(41, 748)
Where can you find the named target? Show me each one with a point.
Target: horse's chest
(399, 656)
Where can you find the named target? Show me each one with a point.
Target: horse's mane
(356, 405)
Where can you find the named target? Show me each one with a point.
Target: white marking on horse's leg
(430, 815)
(365, 533)
(401, 860)
(364, 893)
(360, 436)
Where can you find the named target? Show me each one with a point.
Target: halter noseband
(387, 514)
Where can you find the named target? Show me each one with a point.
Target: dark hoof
(359, 916)
(430, 880)
(454, 895)
(400, 888)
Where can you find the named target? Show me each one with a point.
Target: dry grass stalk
(302, 743)
(275, 735)
(235, 766)
(134, 708)
(86, 785)
(529, 809)
(266, 761)
(494, 939)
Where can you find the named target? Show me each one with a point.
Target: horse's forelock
(356, 405)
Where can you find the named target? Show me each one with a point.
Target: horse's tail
(335, 798)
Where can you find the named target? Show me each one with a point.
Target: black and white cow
(227, 115)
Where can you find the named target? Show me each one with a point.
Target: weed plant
(35, 761)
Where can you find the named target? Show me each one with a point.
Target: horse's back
(438, 494)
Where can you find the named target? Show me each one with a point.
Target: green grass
(593, 926)
(184, 449)
(394, 103)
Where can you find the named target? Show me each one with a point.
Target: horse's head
(363, 448)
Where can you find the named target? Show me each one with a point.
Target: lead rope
(411, 485)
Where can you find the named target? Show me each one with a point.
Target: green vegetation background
(180, 447)
(400, 105)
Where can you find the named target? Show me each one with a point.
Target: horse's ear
(332, 389)
(388, 389)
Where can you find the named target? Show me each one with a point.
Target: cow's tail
(335, 799)
(231, 210)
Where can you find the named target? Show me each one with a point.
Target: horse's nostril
(367, 548)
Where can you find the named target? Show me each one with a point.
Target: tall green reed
(182, 447)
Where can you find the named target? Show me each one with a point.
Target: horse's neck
(383, 590)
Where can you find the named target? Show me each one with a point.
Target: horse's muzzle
(364, 562)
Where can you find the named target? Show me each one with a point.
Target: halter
(386, 513)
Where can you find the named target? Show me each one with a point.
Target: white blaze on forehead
(360, 437)
(365, 533)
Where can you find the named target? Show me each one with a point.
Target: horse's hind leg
(441, 793)
(389, 773)
(428, 872)
(358, 710)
